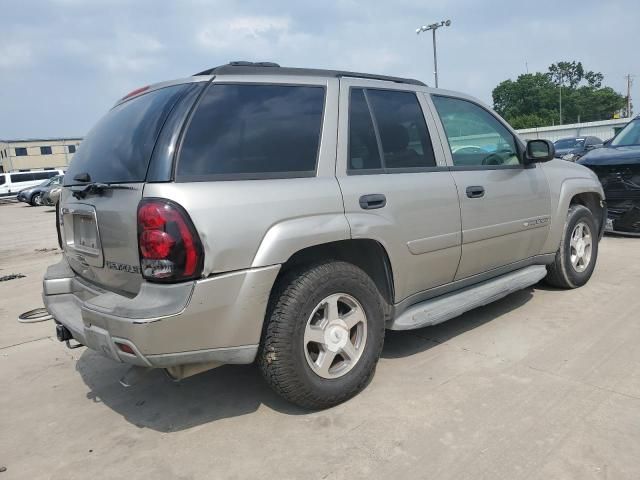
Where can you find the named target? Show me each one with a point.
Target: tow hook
(64, 335)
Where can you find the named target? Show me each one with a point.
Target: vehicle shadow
(398, 344)
(158, 403)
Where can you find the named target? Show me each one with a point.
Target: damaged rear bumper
(218, 319)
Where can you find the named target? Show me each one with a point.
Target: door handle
(372, 201)
(475, 191)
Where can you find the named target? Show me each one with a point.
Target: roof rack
(270, 68)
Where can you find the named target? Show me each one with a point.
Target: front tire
(323, 336)
(576, 258)
(36, 200)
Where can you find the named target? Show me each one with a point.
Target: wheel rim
(335, 336)
(580, 247)
(37, 200)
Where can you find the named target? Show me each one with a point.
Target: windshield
(118, 149)
(629, 135)
(569, 143)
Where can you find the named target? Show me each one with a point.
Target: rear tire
(323, 335)
(576, 257)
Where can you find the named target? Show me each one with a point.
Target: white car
(12, 182)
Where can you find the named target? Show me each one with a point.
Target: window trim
(520, 149)
(384, 170)
(220, 177)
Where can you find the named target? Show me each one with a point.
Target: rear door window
(245, 131)
(364, 153)
(2, 180)
(402, 129)
(399, 130)
(119, 147)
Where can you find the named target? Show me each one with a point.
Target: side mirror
(539, 151)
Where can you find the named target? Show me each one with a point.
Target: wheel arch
(574, 191)
(367, 254)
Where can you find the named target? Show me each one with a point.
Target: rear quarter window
(245, 131)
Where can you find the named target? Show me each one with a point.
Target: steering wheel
(493, 159)
(469, 149)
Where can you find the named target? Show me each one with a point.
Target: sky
(63, 63)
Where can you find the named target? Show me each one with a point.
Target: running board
(446, 307)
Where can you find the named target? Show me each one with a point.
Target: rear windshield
(119, 147)
(253, 131)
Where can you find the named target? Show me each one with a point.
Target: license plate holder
(82, 236)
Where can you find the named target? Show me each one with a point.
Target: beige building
(37, 153)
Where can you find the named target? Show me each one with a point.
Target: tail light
(169, 246)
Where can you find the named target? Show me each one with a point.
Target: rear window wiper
(96, 188)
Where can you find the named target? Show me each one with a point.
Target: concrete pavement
(542, 384)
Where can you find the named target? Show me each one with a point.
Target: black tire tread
(275, 358)
(557, 272)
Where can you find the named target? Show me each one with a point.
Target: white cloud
(92, 52)
(223, 34)
(15, 56)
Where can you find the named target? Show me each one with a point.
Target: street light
(433, 27)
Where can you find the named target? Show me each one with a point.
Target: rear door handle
(372, 201)
(475, 191)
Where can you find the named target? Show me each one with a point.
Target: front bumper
(217, 319)
(624, 216)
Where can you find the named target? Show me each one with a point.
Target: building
(37, 153)
(604, 129)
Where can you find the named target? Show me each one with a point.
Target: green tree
(532, 100)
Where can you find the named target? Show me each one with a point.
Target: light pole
(433, 27)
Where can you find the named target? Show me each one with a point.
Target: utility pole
(561, 79)
(629, 83)
(433, 27)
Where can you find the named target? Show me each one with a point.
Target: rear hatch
(104, 184)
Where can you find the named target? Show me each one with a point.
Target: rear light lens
(135, 92)
(169, 246)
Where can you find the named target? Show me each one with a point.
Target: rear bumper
(218, 319)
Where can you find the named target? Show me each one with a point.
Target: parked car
(289, 216)
(618, 168)
(12, 182)
(33, 195)
(51, 195)
(573, 148)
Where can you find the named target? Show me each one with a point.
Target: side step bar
(446, 307)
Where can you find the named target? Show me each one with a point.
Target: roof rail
(270, 68)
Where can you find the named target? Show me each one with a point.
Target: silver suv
(289, 216)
